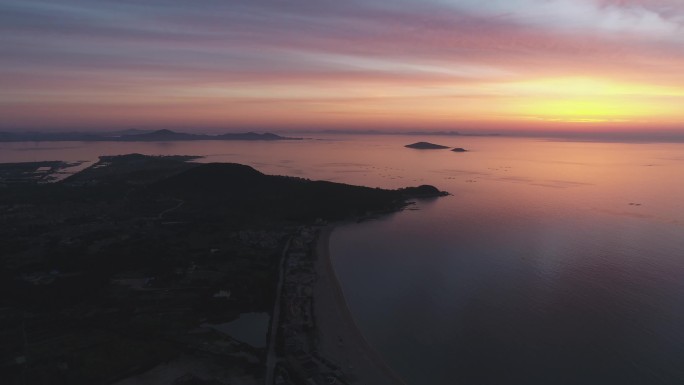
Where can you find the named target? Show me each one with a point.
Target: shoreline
(338, 336)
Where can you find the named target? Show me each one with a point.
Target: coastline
(338, 337)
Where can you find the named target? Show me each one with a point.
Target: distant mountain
(426, 146)
(131, 136)
(131, 131)
(381, 132)
(254, 136)
(163, 136)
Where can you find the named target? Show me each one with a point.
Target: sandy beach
(339, 338)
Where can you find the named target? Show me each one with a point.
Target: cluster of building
(301, 363)
(263, 239)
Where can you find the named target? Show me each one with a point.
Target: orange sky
(377, 64)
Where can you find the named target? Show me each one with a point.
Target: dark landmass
(391, 132)
(132, 136)
(113, 271)
(39, 172)
(168, 135)
(459, 149)
(383, 132)
(425, 146)
(423, 191)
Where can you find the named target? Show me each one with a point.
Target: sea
(553, 261)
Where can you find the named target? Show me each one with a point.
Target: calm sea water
(552, 263)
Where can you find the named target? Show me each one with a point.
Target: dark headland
(426, 146)
(117, 270)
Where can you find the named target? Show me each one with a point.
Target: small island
(426, 146)
(459, 149)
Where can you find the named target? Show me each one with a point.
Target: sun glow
(586, 110)
(588, 100)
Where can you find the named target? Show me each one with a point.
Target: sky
(232, 65)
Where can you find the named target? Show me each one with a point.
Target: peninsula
(131, 268)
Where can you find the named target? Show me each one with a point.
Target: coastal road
(180, 203)
(271, 358)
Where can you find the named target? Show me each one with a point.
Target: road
(271, 358)
(180, 203)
